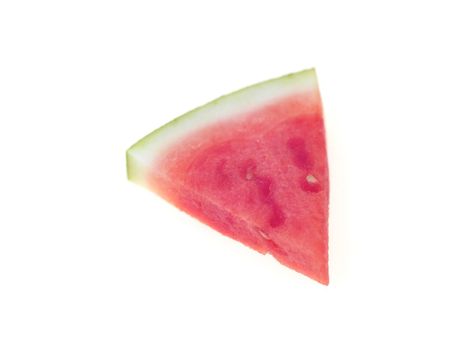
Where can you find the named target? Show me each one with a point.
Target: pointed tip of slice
(325, 280)
(322, 278)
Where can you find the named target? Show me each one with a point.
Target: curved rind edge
(138, 154)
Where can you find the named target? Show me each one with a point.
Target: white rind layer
(143, 153)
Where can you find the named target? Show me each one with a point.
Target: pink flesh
(249, 178)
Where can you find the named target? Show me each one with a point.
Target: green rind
(136, 167)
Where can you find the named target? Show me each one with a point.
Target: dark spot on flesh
(277, 217)
(300, 155)
(264, 188)
(302, 160)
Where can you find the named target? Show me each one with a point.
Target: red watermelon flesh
(257, 174)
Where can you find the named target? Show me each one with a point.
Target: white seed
(311, 179)
(264, 234)
(249, 173)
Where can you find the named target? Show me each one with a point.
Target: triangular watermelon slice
(253, 166)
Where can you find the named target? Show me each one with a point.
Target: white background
(91, 261)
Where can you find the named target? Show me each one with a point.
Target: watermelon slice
(253, 166)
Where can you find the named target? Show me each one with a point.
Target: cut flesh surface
(253, 166)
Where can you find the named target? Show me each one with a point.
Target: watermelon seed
(248, 169)
(311, 179)
(249, 173)
(264, 234)
(310, 184)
